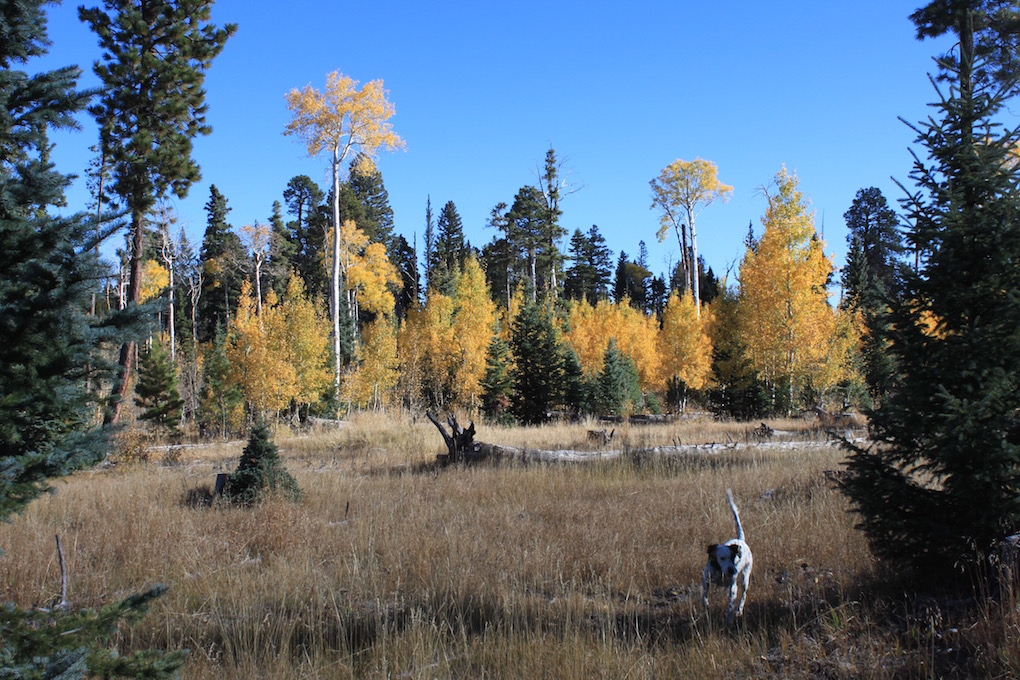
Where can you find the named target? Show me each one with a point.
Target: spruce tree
(260, 472)
(222, 255)
(155, 55)
(941, 484)
(156, 392)
(52, 351)
(537, 373)
(497, 384)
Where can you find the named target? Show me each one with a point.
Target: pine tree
(156, 392)
(150, 110)
(616, 390)
(941, 484)
(220, 400)
(367, 186)
(450, 252)
(52, 351)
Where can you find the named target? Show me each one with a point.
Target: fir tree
(51, 352)
(222, 255)
(537, 369)
(156, 392)
(260, 471)
(941, 484)
(220, 396)
(497, 384)
(616, 390)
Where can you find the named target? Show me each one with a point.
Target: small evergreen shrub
(260, 472)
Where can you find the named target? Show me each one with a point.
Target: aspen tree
(339, 120)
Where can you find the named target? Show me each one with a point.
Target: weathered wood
(460, 443)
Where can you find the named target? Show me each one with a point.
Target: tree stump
(460, 443)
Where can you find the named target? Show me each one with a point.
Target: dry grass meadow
(498, 570)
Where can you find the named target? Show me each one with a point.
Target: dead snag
(460, 444)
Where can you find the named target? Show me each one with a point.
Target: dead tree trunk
(460, 444)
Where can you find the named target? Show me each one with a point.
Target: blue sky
(482, 90)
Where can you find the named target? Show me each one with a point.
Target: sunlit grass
(392, 566)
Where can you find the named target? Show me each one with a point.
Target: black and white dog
(729, 566)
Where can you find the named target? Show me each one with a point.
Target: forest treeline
(516, 329)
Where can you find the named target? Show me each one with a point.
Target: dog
(729, 565)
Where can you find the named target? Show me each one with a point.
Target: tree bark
(127, 350)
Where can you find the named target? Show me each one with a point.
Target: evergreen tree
(260, 471)
(51, 351)
(941, 484)
(630, 282)
(366, 183)
(550, 257)
(220, 398)
(497, 385)
(450, 251)
(616, 390)
(222, 256)
(306, 232)
(537, 373)
(874, 225)
(525, 232)
(281, 251)
(150, 110)
(156, 392)
(591, 269)
(406, 259)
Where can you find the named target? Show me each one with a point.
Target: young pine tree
(941, 484)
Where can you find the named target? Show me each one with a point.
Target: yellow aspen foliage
(591, 329)
(474, 318)
(685, 346)
(342, 117)
(155, 279)
(427, 351)
(370, 383)
(508, 316)
(785, 320)
(307, 338)
(258, 361)
(370, 276)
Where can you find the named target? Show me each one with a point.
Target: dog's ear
(711, 548)
(734, 552)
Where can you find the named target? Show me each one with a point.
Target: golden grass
(510, 570)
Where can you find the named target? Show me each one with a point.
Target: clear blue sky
(481, 91)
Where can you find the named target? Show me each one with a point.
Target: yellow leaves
(370, 383)
(685, 347)
(591, 329)
(443, 345)
(342, 117)
(368, 273)
(682, 189)
(474, 315)
(784, 316)
(280, 354)
(155, 279)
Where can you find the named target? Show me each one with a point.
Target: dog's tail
(736, 515)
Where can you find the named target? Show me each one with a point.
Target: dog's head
(723, 559)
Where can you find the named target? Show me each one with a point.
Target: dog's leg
(745, 582)
(705, 577)
(731, 605)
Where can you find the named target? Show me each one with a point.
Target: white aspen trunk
(336, 284)
(695, 274)
(258, 283)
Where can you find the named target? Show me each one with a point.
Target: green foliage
(591, 269)
(76, 644)
(260, 471)
(941, 485)
(220, 396)
(51, 352)
(497, 385)
(156, 392)
(538, 369)
(222, 253)
(616, 391)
